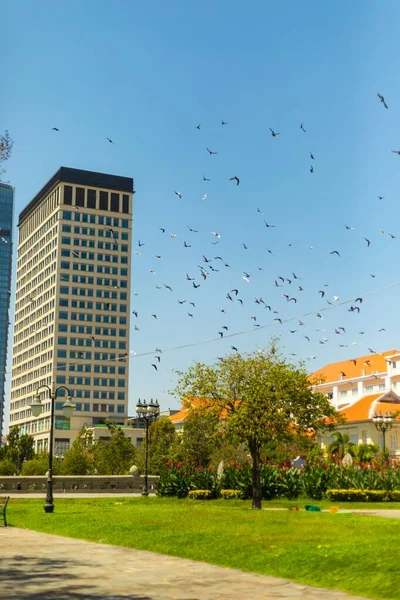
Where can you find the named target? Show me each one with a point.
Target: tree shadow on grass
(39, 578)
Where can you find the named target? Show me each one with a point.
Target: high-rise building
(6, 227)
(72, 304)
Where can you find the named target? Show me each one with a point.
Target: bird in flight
(55, 129)
(205, 178)
(396, 152)
(111, 142)
(223, 122)
(187, 245)
(178, 194)
(155, 366)
(211, 151)
(349, 228)
(198, 126)
(368, 242)
(268, 224)
(381, 197)
(302, 128)
(311, 169)
(382, 99)
(312, 156)
(334, 252)
(273, 133)
(235, 178)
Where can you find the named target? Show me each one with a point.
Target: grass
(347, 552)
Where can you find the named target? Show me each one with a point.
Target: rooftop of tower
(79, 177)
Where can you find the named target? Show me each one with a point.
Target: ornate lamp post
(383, 423)
(147, 413)
(36, 408)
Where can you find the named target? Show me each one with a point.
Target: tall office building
(72, 305)
(6, 226)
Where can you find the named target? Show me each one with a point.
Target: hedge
(364, 495)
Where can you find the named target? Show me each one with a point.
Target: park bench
(3, 507)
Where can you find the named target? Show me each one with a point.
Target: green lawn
(353, 553)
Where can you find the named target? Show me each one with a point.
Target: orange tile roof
(187, 405)
(363, 409)
(332, 371)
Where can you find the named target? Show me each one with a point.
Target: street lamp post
(383, 423)
(36, 408)
(147, 413)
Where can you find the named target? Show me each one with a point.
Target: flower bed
(278, 481)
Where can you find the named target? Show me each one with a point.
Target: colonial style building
(360, 388)
(73, 304)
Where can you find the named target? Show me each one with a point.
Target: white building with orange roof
(360, 388)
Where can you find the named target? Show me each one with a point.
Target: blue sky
(145, 74)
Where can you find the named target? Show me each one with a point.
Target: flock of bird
(205, 265)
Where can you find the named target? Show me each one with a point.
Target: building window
(103, 204)
(381, 387)
(125, 203)
(114, 202)
(354, 391)
(393, 441)
(365, 437)
(369, 388)
(67, 215)
(91, 199)
(343, 393)
(80, 196)
(67, 194)
(120, 408)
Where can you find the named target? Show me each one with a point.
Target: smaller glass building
(6, 228)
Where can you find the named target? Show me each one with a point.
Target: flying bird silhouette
(235, 178)
(382, 99)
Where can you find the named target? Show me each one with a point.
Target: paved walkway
(38, 566)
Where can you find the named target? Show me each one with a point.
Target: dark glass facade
(6, 228)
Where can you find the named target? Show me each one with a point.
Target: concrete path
(38, 566)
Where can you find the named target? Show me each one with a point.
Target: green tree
(366, 452)
(79, 459)
(39, 465)
(261, 396)
(341, 445)
(200, 436)
(116, 455)
(162, 438)
(18, 448)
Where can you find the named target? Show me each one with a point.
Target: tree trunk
(255, 474)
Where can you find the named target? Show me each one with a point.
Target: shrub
(200, 494)
(175, 480)
(231, 494)
(271, 482)
(292, 484)
(352, 495)
(317, 478)
(237, 477)
(7, 467)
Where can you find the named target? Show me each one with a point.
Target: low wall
(76, 483)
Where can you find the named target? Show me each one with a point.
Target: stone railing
(76, 483)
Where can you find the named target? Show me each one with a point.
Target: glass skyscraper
(6, 227)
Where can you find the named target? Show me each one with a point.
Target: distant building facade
(6, 238)
(72, 309)
(359, 388)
